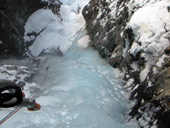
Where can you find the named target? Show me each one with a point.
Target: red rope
(20, 106)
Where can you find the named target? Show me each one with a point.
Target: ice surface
(79, 90)
(53, 31)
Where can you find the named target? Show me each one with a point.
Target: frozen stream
(79, 90)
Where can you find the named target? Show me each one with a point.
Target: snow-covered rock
(133, 35)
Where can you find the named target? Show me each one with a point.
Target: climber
(11, 95)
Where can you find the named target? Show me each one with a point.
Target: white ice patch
(143, 21)
(155, 70)
(135, 49)
(129, 82)
(150, 84)
(161, 60)
(51, 36)
(144, 72)
(39, 20)
(135, 66)
(13, 72)
(84, 41)
(53, 32)
(149, 24)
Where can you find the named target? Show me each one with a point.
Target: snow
(155, 70)
(135, 66)
(135, 49)
(39, 20)
(144, 72)
(50, 26)
(150, 84)
(128, 84)
(146, 32)
(136, 87)
(13, 72)
(84, 41)
(150, 24)
(44, 19)
(161, 60)
(81, 90)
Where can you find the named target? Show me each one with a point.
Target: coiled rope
(31, 97)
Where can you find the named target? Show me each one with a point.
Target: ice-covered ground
(79, 90)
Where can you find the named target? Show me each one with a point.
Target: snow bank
(149, 24)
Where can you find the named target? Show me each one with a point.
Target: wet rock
(163, 85)
(167, 50)
(116, 57)
(54, 5)
(51, 52)
(13, 15)
(163, 120)
(100, 26)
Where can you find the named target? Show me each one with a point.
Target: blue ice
(81, 91)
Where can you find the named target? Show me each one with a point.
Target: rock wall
(134, 36)
(13, 15)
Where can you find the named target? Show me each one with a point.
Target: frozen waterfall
(80, 89)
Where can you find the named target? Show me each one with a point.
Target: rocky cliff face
(134, 36)
(13, 15)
